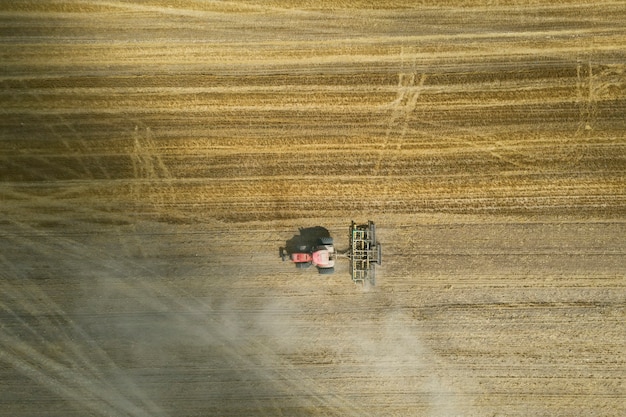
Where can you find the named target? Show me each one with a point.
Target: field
(154, 156)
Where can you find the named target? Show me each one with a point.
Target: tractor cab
(321, 255)
(324, 257)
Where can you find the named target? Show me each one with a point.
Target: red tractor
(322, 255)
(314, 246)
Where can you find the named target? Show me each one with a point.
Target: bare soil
(155, 155)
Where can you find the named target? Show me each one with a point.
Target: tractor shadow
(309, 237)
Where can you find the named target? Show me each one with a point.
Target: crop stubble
(154, 158)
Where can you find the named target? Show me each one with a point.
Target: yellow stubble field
(155, 155)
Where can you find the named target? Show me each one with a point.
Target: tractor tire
(326, 240)
(326, 271)
(303, 248)
(303, 265)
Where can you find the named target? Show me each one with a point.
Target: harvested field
(155, 155)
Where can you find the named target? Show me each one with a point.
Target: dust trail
(395, 347)
(26, 303)
(212, 325)
(78, 381)
(74, 371)
(205, 327)
(98, 397)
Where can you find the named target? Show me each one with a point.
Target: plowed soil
(155, 155)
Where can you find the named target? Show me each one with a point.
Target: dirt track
(154, 156)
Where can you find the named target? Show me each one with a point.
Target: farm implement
(315, 247)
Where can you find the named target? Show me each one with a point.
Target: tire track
(76, 153)
(402, 109)
(80, 153)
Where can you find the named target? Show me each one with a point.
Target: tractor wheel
(303, 265)
(327, 240)
(303, 248)
(326, 271)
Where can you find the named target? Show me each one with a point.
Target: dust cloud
(117, 330)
